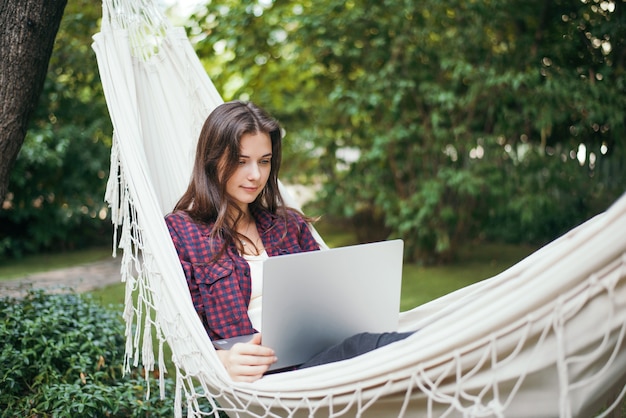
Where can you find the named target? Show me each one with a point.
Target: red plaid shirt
(221, 290)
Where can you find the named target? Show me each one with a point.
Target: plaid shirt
(221, 290)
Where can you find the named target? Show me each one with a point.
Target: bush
(62, 356)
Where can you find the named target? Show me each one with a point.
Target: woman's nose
(254, 172)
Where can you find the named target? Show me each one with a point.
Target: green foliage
(62, 357)
(57, 185)
(437, 121)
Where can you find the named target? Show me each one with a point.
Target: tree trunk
(27, 32)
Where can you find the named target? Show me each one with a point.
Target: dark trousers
(354, 346)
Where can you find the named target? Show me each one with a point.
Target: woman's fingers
(247, 362)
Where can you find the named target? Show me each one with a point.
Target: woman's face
(255, 163)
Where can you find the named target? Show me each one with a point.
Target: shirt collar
(264, 219)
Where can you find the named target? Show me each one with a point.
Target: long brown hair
(217, 157)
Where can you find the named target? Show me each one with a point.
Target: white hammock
(544, 338)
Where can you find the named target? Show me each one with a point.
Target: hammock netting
(544, 338)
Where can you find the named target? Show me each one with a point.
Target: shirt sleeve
(174, 226)
(306, 240)
(180, 232)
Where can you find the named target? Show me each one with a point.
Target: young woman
(229, 220)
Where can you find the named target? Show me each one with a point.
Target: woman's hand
(246, 362)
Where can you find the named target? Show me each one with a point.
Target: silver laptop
(314, 300)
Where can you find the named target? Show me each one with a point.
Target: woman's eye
(242, 162)
(266, 161)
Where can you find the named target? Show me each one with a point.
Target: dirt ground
(82, 278)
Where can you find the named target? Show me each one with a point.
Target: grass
(476, 262)
(112, 295)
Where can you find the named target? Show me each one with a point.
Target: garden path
(81, 278)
